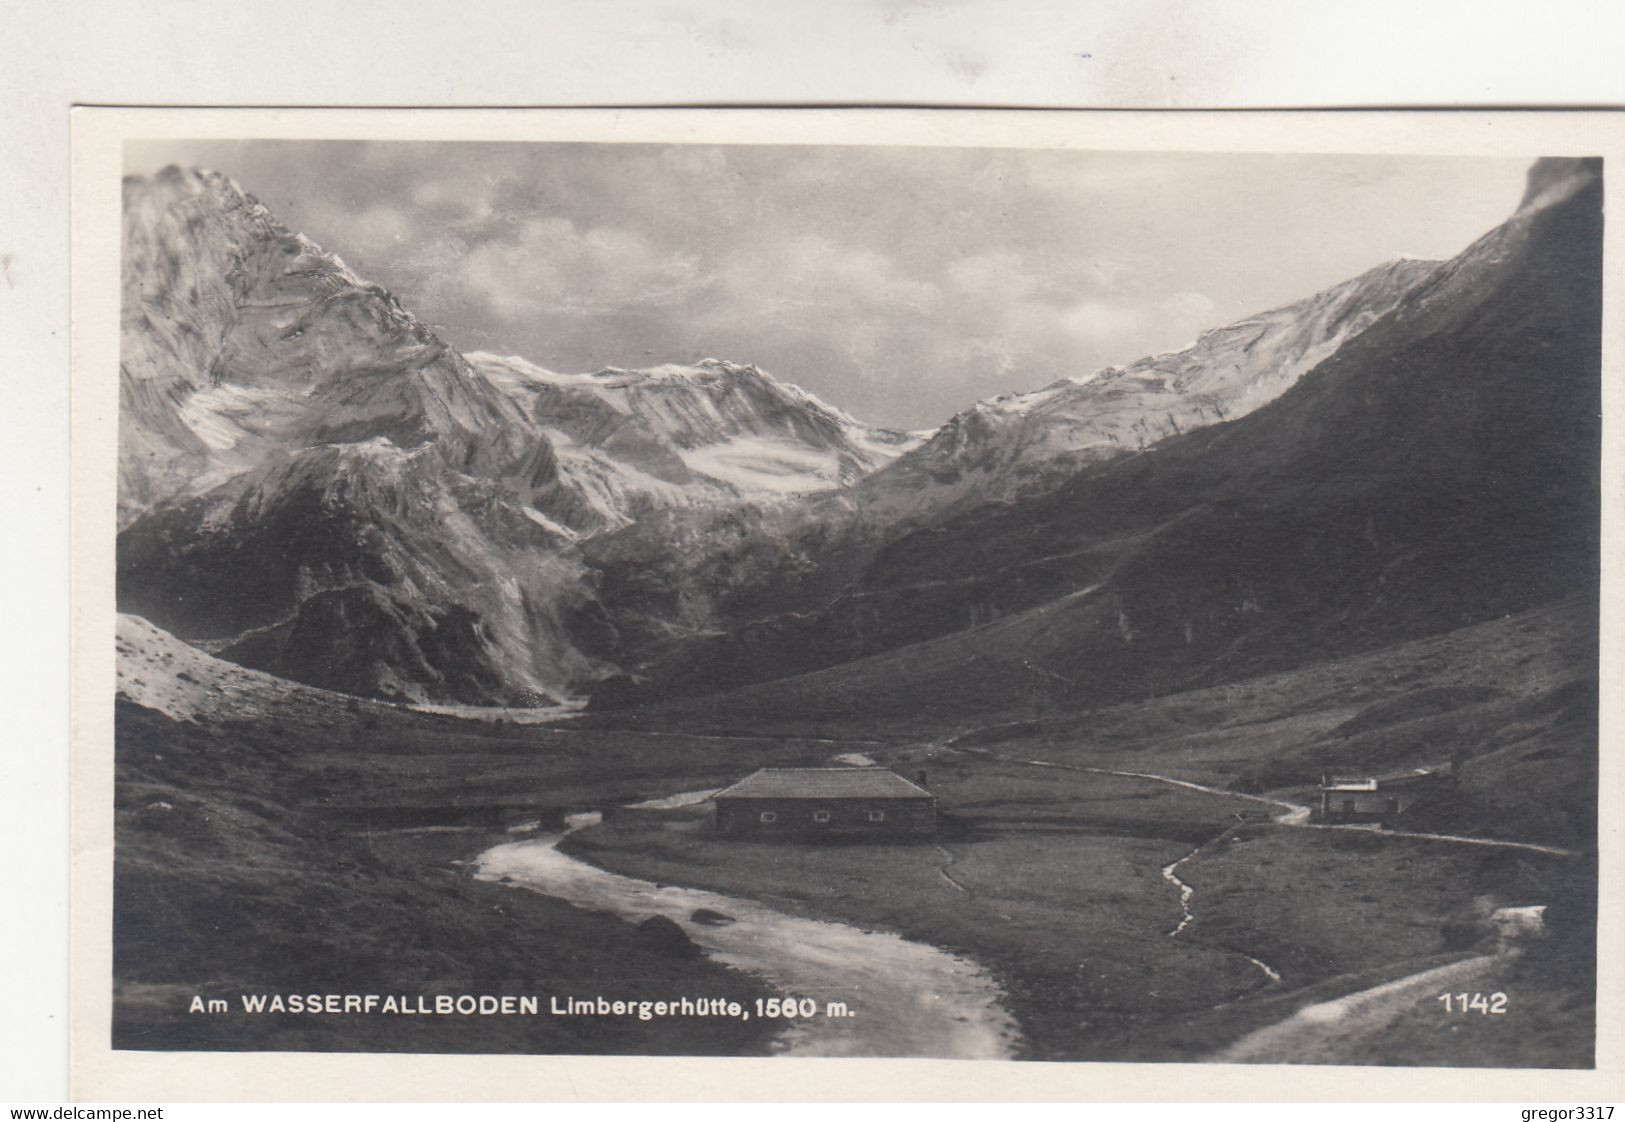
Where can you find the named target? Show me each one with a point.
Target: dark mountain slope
(368, 569)
(1439, 470)
(734, 567)
(312, 483)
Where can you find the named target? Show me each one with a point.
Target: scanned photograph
(687, 599)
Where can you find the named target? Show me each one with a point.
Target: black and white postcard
(1123, 590)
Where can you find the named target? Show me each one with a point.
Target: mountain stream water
(905, 998)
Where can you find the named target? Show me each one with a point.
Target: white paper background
(1152, 53)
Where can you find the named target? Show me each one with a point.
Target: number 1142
(1487, 1005)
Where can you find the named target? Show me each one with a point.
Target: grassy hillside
(1512, 701)
(315, 850)
(1053, 880)
(277, 838)
(1440, 470)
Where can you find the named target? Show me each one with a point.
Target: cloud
(374, 232)
(994, 275)
(453, 203)
(1108, 323)
(1190, 307)
(901, 283)
(1102, 320)
(547, 267)
(694, 159)
(812, 271)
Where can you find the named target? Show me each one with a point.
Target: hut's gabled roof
(824, 783)
(1376, 782)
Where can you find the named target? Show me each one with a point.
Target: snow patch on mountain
(313, 484)
(1018, 443)
(679, 434)
(549, 525)
(754, 464)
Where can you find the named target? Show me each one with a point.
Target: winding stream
(1170, 873)
(906, 998)
(1288, 814)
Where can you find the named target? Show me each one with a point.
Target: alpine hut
(1376, 798)
(805, 803)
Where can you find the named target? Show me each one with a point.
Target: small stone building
(804, 804)
(1375, 798)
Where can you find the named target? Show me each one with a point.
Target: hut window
(769, 816)
(820, 816)
(877, 816)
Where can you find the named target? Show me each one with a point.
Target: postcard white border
(100, 1073)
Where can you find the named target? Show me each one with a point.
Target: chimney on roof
(920, 779)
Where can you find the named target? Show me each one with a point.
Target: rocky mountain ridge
(1439, 469)
(737, 571)
(314, 484)
(1021, 443)
(632, 442)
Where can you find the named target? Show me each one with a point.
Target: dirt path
(947, 863)
(1452, 839)
(1292, 814)
(906, 998)
(1331, 1031)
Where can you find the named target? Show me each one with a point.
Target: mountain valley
(1125, 622)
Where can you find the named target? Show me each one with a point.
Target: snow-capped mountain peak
(314, 484)
(728, 423)
(1013, 443)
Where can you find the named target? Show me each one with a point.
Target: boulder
(666, 936)
(711, 918)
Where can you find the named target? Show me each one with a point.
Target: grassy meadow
(307, 843)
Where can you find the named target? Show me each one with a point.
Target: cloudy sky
(899, 283)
